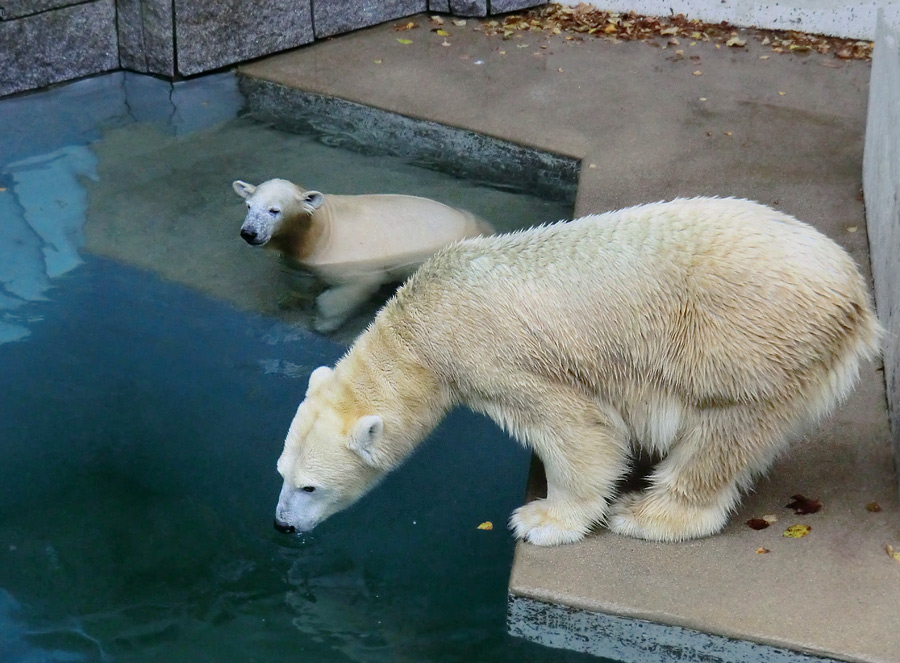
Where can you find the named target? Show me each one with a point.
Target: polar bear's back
(719, 301)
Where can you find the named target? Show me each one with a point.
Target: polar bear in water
(354, 244)
(705, 331)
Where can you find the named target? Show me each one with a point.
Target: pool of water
(151, 363)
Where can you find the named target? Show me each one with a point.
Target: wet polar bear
(706, 331)
(354, 244)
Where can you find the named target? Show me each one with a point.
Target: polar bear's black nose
(284, 528)
(248, 235)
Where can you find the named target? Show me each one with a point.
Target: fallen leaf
(873, 507)
(404, 41)
(437, 20)
(445, 43)
(770, 519)
(405, 26)
(757, 523)
(521, 45)
(727, 133)
(782, 93)
(559, 70)
(592, 165)
(486, 525)
(736, 42)
(378, 61)
(442, 33)
(852, 229)
(803, 505)
(797, 531)
(459, 23)
(764, 57)
(698, 73)
(762, 551)
(702, 98)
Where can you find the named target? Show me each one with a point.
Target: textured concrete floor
(787, 131)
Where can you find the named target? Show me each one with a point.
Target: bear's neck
(302, 235)
(386, 378)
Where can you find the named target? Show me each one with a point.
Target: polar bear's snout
(284, 527)
(249, 236)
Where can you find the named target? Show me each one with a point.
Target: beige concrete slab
(787, 131)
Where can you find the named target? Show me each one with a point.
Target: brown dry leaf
(873, 507)
(797, 531)
(762, 551)
(757, 523)
(437, 20)
(486, 525)
(405, 26)
(803, 505)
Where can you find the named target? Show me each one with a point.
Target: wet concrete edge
(428, 144)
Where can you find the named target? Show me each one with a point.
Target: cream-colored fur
(355, 244)
(708, 331)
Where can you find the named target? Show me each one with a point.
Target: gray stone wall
(881, 184)
(215, 33)
(59, 45)
(48, 41)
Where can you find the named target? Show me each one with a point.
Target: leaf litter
(803, 505)
(585, 20)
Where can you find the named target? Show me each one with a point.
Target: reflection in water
(43, 212)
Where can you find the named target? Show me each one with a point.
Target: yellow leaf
(851, 229)
(797, 531)
(781, 93)
(486, 525)
(762, 551)
(698, 73)
(378, 61)
(443, 33)
(404, 41)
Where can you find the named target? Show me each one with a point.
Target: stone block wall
(48, 41)
(65, 42)
(881, 185)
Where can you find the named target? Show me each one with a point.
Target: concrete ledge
(881, 183)
(634, 640)
(437, 146)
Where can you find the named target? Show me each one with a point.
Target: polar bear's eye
(273, 211)
(308, 489)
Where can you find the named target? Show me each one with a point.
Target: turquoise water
(151, 363)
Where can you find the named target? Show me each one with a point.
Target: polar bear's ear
(243, 189)
(312, 200)
(365, 436)
(317, 377)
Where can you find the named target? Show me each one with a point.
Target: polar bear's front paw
(542, 524)
(659, 516)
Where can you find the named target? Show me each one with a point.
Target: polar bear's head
(272, 207)
(329, 459)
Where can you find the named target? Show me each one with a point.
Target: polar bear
(705, 331)
(354, 244)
